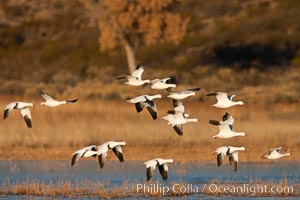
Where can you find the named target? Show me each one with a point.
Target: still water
(194, 175)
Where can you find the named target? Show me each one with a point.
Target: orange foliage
(149, 22)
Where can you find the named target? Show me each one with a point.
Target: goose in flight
(227, 119)
(183, 94)
(231, 152)
(224, 100)
(274, 154)
(114, 146)
(50, 102)
(23, 108)
(84, 152)
(136, 77)
(161, 164)
(161, 84)
(226, 127)
(146, 101)
(177, 117)
(178, 108)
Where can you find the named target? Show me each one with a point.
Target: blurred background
(79, 47)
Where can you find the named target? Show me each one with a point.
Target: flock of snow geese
(176, 118)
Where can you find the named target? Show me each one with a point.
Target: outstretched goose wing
(46, 96)
(25, 112)
(101, 159)
(118, 152)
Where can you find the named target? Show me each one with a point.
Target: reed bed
(88, 188)
(57, 132)
(64, 188)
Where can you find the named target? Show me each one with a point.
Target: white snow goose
(178, 117)
(50, 102)
(23, 108)
(231, 152)
(161, 84)
(136, 77)
(227, 119)
(162, 166)
(224, 100)
(226, 127)
(178, 108)
(183, 94)
(114, 146)
(274, 154)
(146, 101)
(84, 152)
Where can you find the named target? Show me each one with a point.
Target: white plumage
(160, 84)
(100, 151)
(226, 127)
(50, 102)
(84, 152)
(146, 101)
(161, 164)
(224, 100)
(177, 117)
(183, 94)
(274, 154)
(136, 77)
(23, 108)
(231, 152)
(114, 146)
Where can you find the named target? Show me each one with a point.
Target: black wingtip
(169, 89)
(214, 122)
(212, 94)
(195, 89)
(171, 112)
(219, 159)
(121, 77)
(28, 121)
(6, 113)
(73, 161)
(100, 160)
(234, 166)
(178, 130)
(172, 80)
(42, 92)
(148, 174)
(72, 101)
(151, 107)
(226, 116)
(139, 107)
(175, 102)
(139, 66)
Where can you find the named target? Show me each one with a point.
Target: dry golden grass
(65, 188)
(87, 188)
(58, 132)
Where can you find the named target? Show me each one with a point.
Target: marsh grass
(64, 188)
(87, 188)
(57, 132)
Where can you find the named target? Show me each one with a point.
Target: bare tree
(128, 23)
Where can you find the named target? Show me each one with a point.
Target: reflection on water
(131, 172)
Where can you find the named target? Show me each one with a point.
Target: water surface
(114, 174)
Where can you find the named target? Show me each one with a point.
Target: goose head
(239, 103)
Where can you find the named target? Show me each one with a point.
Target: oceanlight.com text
(229, 189)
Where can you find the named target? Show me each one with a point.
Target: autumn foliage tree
(130, 23)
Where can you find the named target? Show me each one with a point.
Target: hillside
(246, 47)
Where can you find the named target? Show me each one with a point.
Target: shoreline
(186, 154)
